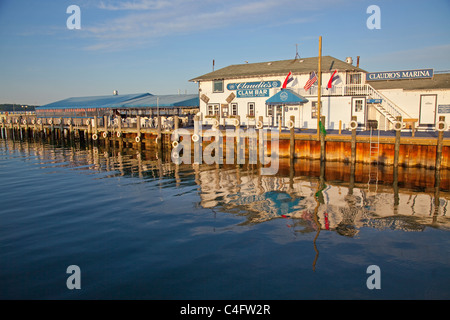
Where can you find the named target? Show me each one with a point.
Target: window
(218, 86)
(354, 78)
(314, 110)
(251, 109)
(234, 109)
(269, 111)
(213, 109)
(358, 105)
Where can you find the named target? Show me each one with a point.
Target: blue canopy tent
(81, 107)
(93, 101)
(286, 97)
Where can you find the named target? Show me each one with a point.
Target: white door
(359, 110)
(278, 116)
(427, 110)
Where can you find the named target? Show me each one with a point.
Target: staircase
(387, 108)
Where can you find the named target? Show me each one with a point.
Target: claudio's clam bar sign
(397, 75)
(253, 89)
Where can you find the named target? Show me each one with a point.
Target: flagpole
(319, 106)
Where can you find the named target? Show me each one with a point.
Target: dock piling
(353, 145)
(439, 142)
(292, 138)
(397, 142)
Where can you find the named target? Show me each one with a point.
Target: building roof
(277, 68)
(163, 101)
(93, 101)
(138, 100)
(439, 81)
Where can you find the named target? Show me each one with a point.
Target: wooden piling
(440, 125)
(61, 128)
(198, 143)
(353, 144)
(322, 140)
(292, 138)
(95, 125)
(71, 128)
(397, 141)
(138, 126)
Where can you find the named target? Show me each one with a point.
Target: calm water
(142, 228)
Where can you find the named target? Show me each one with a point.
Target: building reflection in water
(312, 197)
(408, 198)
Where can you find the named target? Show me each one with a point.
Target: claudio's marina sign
(397, 75)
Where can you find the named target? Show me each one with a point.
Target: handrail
(356, 90)
(391, 104)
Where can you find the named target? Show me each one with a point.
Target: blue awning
(286, 97)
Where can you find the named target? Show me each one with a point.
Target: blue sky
(156, 46)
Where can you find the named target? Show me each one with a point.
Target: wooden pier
(398, 150)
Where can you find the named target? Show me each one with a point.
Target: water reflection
(310, 197)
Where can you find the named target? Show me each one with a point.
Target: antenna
(297, 56)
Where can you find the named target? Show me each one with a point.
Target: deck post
(52, 128)
(292, 139)
(322, 140)
(71, 128)
(61, 128)
(439, 143)
(353, 145)
(397, 142)
(197, 144)
(95, 125)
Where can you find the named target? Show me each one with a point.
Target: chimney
(357, 61)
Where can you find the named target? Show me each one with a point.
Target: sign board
(398, 75)
(374, 100)
(252, 93)
(444, 108)
(204, 98)
(231, 97)
(254, 85)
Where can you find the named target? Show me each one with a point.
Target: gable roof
(278, 68)
(439, 81)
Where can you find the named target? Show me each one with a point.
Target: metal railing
(367, 90)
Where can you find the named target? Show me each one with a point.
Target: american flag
(311, 81)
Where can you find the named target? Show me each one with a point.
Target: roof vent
(349, 60)
(115, 92)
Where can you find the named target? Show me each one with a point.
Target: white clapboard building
(269, 93)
